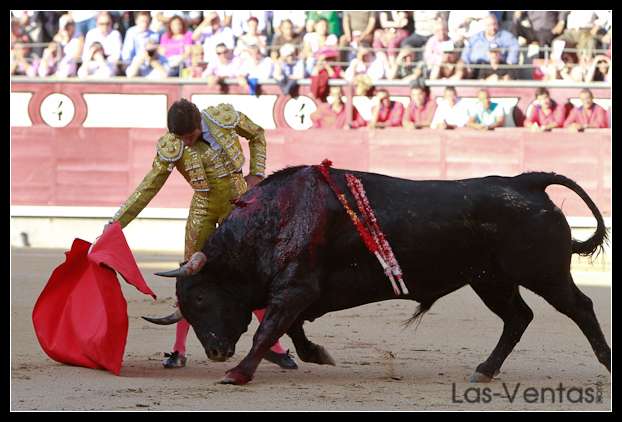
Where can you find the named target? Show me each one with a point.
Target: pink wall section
(101, 167)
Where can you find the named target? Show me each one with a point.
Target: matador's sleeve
(257, 144)
(169, 150)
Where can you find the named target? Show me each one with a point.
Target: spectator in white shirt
(251, 37)
(109, 38)
(298, 19)
(225, 66)
(368, 63)
(463, 24)
(451, 112)
(212, 32)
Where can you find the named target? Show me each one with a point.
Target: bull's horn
(167, 320)
(193, 266)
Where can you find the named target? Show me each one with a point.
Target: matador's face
(191, 138)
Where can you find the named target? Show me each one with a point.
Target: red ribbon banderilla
(372, 235)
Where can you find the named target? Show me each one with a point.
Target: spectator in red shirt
(334, 116)
(386, 113)
(420, 111)
(545, 113)
(588, 115)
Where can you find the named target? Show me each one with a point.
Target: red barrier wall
(101, 167)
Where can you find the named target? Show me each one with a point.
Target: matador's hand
(252, 180)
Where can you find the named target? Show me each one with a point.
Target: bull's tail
(595, 243)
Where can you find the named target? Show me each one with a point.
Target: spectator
(254, 68)
(451, 66)
(71, 45)
(420, 111)
(85, 20)
(425, 23)
(545, 114)
(160, 20)
(386, 113)
(600, 70)
(464, 24)
(582, 28)
(240, 21)
(332, 19)
(323, 70)
(20, 63)
(95, 64)
(137, 37)
(578, 72)
(50, 60)
(225, 66)
(476, 52)
(405, 67)
(438, 44)
(175, 44)
(40, 27)
(358, 27)
(494, 72)
(288, 70)
(333, 115)
(538, 27)
(298, 19)
(486, 115)
(373, 66)
(451, 112)
(196, 68)
(109, 38)
(210, 33)
(395, 27)
(286, 34)
(149, 63)
(314, 41)
(587, 115)
(251, 37)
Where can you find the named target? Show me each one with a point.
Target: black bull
(290, 247)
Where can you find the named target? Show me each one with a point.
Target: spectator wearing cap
(210, 33)
(451, 66)
(476, 51)
(358, 27)
(386, 112)
(286, 34)
(420, 111)
(288, 69)
(451, 112)
(251, 37)
(333, 114)
(225, 66)
(175, 44)
(545, 114)
(149, 63)
(332, 19)
(486, 115)
(104, 34)
(587, 115)
(495, 72)
(395, 26)
(137, 37)
(95, 64)
(71, 45)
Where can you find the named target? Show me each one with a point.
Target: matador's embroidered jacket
(204, 163)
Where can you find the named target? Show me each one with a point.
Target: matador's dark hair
(183, 117)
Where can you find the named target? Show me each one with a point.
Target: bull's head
(217, 316)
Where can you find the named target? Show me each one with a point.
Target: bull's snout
(219, 354)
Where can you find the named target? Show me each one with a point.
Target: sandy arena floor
(380, 366)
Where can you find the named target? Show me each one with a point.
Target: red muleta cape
(80, 317)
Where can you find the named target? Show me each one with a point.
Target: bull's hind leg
(572, 302)
(504, 300)
(306, 349)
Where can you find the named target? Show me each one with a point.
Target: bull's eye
(199, 299)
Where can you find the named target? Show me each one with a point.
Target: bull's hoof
(324, 358)
(235, 377)
(479, 377)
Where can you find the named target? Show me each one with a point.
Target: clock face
(297, 112)
(57, 110)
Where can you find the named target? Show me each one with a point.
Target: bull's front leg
(293, 293)
(306, 349)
